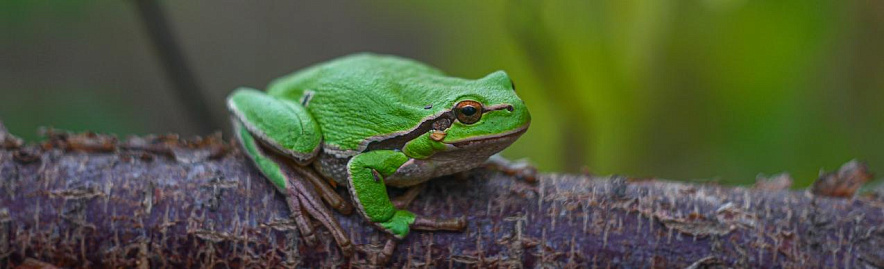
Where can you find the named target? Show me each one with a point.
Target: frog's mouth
(507, 137)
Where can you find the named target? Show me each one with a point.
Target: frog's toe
(347, 248)
(399, 225)
(386, 253)
(324, 190)
(310, 203)
(433, 224)
(301, 221)
(378, 255)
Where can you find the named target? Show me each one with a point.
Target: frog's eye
(468, 111)
(513, 83)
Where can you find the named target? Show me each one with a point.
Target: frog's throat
(337, 151)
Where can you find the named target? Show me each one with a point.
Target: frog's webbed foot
(303, 201)
(521, 169)
(301, 195)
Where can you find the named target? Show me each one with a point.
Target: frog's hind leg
(304, 194)
(283, 126)
(300, 195)
(324, 189)
(276, 175)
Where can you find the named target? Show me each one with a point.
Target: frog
(368, 122)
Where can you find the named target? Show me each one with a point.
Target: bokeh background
(684, 89)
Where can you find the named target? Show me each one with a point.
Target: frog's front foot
(402, 221)
(366, 174)
(399, 225)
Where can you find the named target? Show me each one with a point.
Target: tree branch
(190, 95)
(84, 200)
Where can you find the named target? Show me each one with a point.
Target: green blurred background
(694, 89)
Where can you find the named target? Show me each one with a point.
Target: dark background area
(704, 89)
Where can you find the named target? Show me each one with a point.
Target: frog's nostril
(508, 107)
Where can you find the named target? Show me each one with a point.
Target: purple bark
(90, 201)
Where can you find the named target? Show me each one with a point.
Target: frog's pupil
(468, 110)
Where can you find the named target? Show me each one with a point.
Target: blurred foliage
(684, 89)
(714, 89)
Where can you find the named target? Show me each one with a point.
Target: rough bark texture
(91, 201)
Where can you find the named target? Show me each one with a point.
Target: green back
(364, 97)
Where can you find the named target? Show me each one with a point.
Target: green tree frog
(369, 121)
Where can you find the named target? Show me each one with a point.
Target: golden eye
(468, 111)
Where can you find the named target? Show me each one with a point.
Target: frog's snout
(506, 107)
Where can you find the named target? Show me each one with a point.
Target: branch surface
(85, 200)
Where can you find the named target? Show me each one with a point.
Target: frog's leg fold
(282, 125)
(300, 195)
(366, 175)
